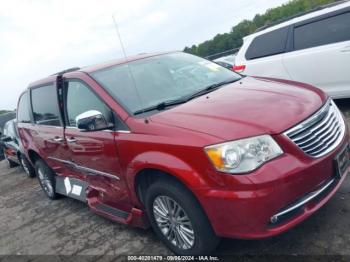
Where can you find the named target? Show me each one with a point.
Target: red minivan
(183, 145)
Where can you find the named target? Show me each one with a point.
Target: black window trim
(53, 84)
(116, 117)
(313, 20)
(26, 92)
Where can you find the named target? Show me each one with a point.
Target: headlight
(243, 155)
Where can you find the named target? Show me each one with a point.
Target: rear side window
(327, 31)
(23, 111)
(45, 106)
(271, 43)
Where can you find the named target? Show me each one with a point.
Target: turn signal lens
(215, 157)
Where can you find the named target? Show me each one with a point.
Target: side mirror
(6, 139)
(92, 120)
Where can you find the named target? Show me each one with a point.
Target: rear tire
(27, 167)
(46, 179)
(179, 221)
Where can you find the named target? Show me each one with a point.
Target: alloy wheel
(173, 222)
(46, 183)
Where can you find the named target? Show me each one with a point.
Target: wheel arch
(148, 168)
(33, 156)
(145, 177)
(185, 195)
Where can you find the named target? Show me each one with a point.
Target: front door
(94, 155)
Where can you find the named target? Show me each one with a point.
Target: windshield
(148, 82)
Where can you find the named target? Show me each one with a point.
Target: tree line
(4, 112)
(234, 39)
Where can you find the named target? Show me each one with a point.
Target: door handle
(58, 139)
(71, 140)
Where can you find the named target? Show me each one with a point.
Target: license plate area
(341, 162)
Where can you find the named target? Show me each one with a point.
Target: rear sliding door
(264, 55)
(321, 54)
(47, 132)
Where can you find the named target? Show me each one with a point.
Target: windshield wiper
(211, 88)
(165, 104)
(161, 106)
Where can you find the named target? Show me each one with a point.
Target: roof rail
(67, 71)
(280, 21)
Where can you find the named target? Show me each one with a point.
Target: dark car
(4, 118)
(1, 151)
(11, 148)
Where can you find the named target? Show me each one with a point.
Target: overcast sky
(41, 37)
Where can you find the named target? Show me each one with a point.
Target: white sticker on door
(67, 185)
(76, 190)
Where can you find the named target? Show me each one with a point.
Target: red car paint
(173, 141)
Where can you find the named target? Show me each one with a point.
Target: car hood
(249, 107)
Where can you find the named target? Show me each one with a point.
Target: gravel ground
(30, 224)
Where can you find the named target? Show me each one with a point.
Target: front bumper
(294, 182)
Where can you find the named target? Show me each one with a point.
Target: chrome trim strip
(302, 202)
(86, 170)
(123, 131)
(36, 124)
(60, 160)
(95, 172)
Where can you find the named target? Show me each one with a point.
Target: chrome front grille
(321, 133)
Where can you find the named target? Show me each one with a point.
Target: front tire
(178, 219)
(46, 179)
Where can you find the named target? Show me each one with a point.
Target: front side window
(327, 31)
(45, 106)
(23, 111)
(81, 99)
(147, 82)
